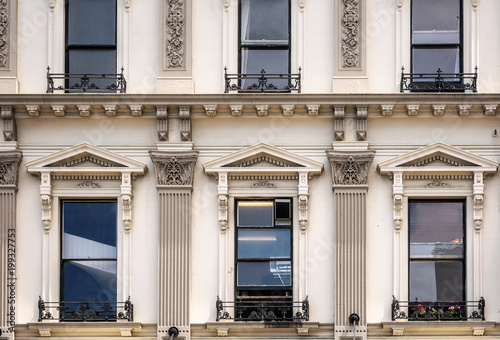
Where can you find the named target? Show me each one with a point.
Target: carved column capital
(350, 168)
(9, 168)
(174, 169)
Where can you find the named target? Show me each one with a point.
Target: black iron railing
(438, 82)
(76, 83)
(262, 82)
(85, 311)
(270, 309)
(429, 311)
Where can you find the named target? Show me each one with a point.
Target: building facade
(249, 169)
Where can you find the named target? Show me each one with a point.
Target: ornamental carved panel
(350, 168)
(4, 34)
(350, 34)
(9, 165)
(175, 42)
(174, 169)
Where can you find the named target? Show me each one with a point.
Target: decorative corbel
(222, 191)
(262, 110)
(339, 115)
(313, 110)
(185, 124)
(490, 110)
(33, 110)
(400, 4)
(110, 110)
(127, 4)
(162, 123)
(302, 4)
(398, 211)
(59, 110)
(126, 195)
(46, 202)
(475, 3)
(464, 110)
(9, 124)
(210, 110)
(226, 4)
(412, 110)
(438, 110)
(303, 212)
(386, 110)
(136, 110)
(287, 110)
(84, 110)
(52, 5)
(478, 192)
(361, 124)
(236, 110)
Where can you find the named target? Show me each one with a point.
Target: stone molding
(350, 22)
(174, 169)
(9, 168)
(350, 168)
(175, 40)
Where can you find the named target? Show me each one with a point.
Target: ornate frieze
(174, 169)
(175, 34)
(263, 184)
(350, 168)
(350, 34)
(88, 185)
(9, 165)
(4, 33)
(9, 124)
(437, 184)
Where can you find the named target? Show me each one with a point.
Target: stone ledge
(427, 328)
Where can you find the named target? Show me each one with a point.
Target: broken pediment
(438, 157)
(263, 158)
(85, 158)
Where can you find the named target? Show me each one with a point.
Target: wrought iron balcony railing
(264, 308)
(76, 83)
(438, 82)
(262, 82)
(429, 311)
(85, 311)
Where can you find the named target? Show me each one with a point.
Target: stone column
(9, 165)
(350, 185)
(174, 179)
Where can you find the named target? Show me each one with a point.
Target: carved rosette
(174, 169)
(350, 34)
(350, 169)
(4, 34)
(175, 40)
(9, 166)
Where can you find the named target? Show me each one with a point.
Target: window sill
(50, 328)
(429, 328)
(223, 327)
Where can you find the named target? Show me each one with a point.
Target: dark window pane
(264, 20)
(90, 61)
(428, 60)
(89, 230)
(436, 222)
(433, 15)
(264, 244)
(283, 211)
(274, 273)
(272, 61)
(437, 281)
(255, 214)
(91, 22)
(89, 281)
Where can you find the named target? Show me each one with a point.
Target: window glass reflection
(262, 244)
(255, 214)
(274, 273)
(436, 281)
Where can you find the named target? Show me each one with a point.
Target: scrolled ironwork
(85, 311)
(438, 310)
(269, 309)
(262, 82)
(74, 82)
(438, 82)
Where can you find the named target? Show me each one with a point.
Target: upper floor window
(264, 48)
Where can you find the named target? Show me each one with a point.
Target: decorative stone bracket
(339, 115)
(9, 124)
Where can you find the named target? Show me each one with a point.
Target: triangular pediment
(438, 157)
(85, 158)
(263, 158)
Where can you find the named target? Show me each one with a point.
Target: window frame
(264, 46)
(463, 258)
(289, 288)
(460, 44)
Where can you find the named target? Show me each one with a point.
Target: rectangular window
(436, 250)
(264, 39)
(436, 37)
(264, 248)
(88, 256)
(91, 39)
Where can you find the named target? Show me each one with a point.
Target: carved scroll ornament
(350, 34)
(4, 33)
(174, 170)
(175, 34)
(350, 169)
